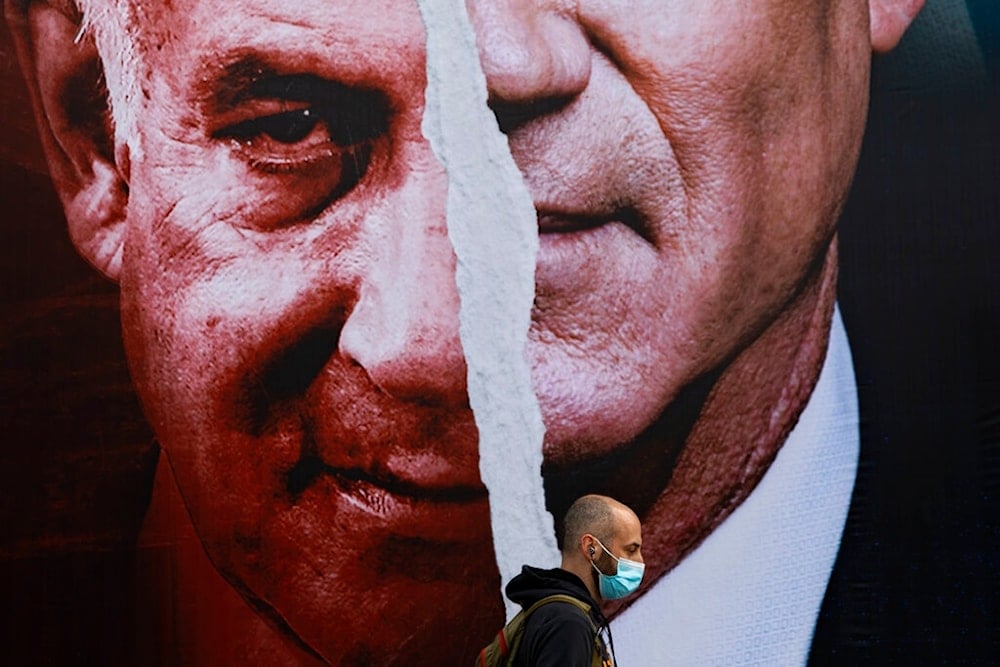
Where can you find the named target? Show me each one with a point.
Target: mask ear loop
(606, 550)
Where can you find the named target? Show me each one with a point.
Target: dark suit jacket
(917, 579)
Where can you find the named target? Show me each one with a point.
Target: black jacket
(556, 634)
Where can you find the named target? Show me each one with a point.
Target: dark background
(76, 456)
(917, 578)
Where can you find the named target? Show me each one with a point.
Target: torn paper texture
(492, 226)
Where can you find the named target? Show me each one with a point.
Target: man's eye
(287, 128)
(298, 121)
(300, 142)
(301, 135)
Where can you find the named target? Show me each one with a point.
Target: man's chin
(388, 604)
(340, 573)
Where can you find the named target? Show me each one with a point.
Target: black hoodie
(556, 634)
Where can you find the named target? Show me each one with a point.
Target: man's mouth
(310, 469)
(389, 504)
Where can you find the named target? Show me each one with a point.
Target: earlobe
(65, 79)
(96, 218)
(889, 20)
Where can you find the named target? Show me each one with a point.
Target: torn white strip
(492, 226)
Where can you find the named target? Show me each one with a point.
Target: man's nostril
(511, 115)
(303, 474)
(286, 376)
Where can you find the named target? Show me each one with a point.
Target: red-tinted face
(291, 318)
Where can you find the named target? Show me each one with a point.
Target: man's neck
(741, 425)
(584, 571)
(751, 592)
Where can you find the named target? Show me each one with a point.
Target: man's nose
(404, 329)
(535, 56)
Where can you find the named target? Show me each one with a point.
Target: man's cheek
(193, 187)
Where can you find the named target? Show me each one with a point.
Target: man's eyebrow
(252, 77)
(248, 76)
(223, 86)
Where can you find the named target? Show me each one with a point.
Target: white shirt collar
(750, 594)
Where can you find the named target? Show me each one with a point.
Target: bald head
(591, 514)
(597, 531)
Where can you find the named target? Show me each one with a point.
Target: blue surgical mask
(624, 582)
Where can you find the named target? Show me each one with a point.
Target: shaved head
(591, 514)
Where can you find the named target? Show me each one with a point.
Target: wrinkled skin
(277, 225)
(291, 318)
(688, 169)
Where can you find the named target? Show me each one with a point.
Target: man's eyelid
(249, 87)
(361, 111)
(249, 110)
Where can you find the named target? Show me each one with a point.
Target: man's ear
(889, 20)
(65, 79)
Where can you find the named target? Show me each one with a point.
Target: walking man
(601, 560)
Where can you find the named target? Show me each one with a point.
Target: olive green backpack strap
(501, 651)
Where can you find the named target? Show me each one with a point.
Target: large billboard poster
(318, 316)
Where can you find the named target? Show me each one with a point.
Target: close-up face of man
(276, 220)
(687, 165)
(290, 314)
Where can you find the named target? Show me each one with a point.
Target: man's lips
(379, 503)
(311, 469)
(561, 223)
